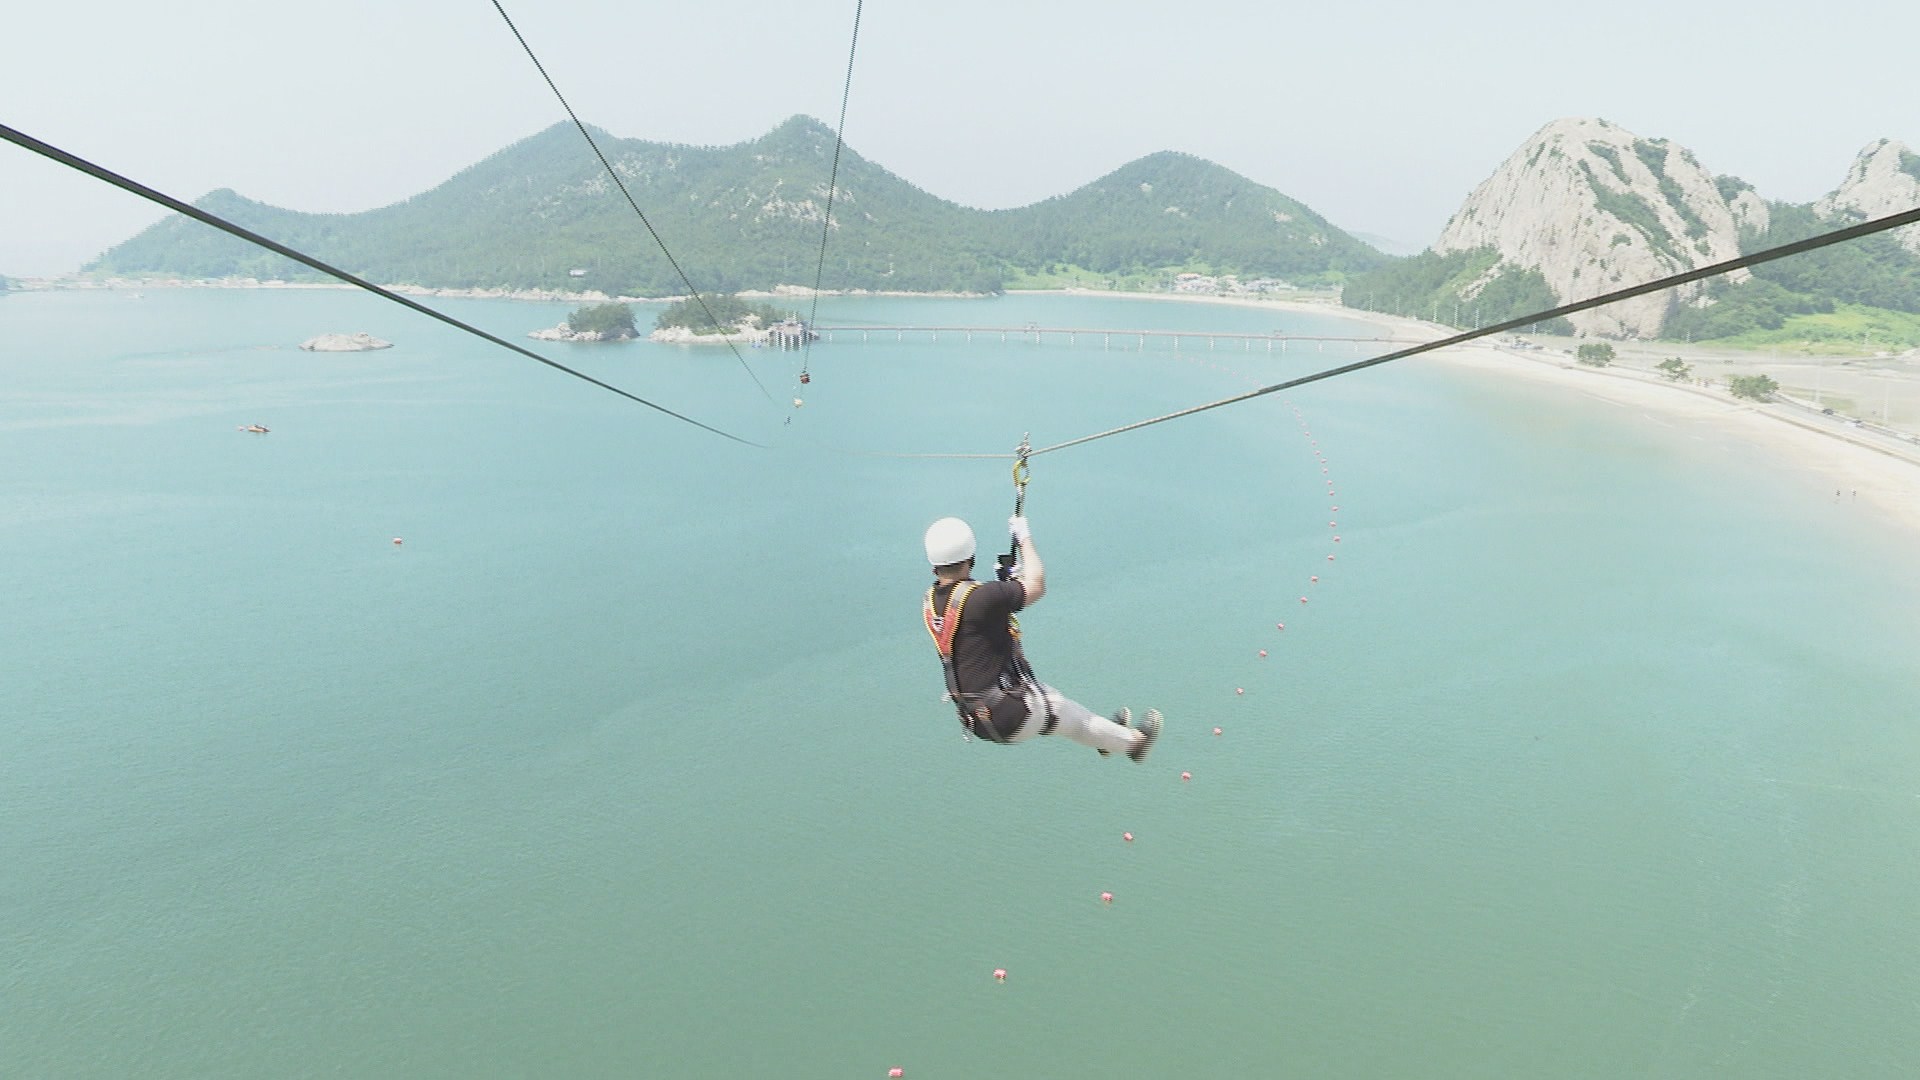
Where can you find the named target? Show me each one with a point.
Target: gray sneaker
(1123, 718)
(1150, 730)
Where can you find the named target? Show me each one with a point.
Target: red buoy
(1106, 898)
(397, 541)
(1186, 776)
(1315, 577)
(1263, 652)
(1279, 626)
(1127, 836)
(1239, 689)
(1303, 599)
(896, 1072)
(1216, 731)
(1000, 974)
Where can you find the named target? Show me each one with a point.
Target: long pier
(1136, 339)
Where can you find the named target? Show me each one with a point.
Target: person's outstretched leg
(1082, 725)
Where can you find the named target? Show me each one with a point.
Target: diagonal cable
(675, 263)
(1855, 232)
(833, 181)
(47, 150)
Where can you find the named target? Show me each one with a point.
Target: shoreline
(566, 296)
(1884, 471)
(1887, 478)
(1885, 468)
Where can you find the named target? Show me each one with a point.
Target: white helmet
(949, 540)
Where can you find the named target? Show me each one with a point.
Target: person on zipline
(989, 681)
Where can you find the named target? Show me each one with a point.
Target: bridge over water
(1126, 339)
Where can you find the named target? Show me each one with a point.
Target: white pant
(1076, 722)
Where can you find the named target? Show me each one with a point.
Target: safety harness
(977, 710)
(1016, 683)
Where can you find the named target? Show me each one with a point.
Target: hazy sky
(1380, 115)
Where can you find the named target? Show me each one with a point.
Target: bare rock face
(1884, 179)
(1595, 208)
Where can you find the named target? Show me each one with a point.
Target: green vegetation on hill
(1653, 153)
(543, 214)
(728, 311)
(1172, 210)
(1731, 310)
(1865, 293)
(607, 320)
(1910, 163)
(1633, 210)
(1874, 270)
(1435, 287)
(1847, 329)
(1730, 187)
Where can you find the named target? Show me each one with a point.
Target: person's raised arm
(1033, 573)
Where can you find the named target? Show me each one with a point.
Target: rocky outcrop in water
(563, 332)
(361, 342)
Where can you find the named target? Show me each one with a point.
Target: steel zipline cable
(826, 225)
(1813, 243)
(72, 161)
(833, 181)
(621, 184)
(1839, 236)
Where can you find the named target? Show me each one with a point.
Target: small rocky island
(599, 322)
(361, 342)
(726, 318)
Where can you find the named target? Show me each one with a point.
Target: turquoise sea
(1593, 754)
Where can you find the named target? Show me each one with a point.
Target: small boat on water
(256, 429)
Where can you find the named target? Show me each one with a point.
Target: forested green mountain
(748, 217)
(1171, 209)
(1461, 288)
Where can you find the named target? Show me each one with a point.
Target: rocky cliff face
(1884, 179)
(1594, 208)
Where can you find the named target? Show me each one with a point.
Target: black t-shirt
(983, 648)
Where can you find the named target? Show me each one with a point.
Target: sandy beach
(1881, 464)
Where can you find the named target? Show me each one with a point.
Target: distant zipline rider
(993, 689)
